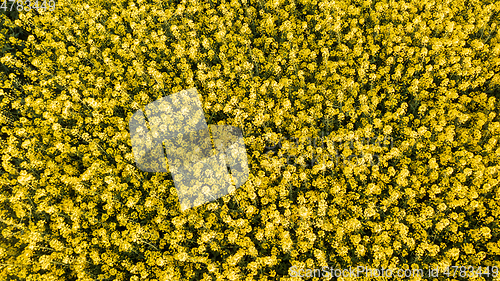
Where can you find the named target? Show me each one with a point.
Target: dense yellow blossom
(371, 128)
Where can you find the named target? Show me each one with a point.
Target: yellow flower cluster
(386, 113)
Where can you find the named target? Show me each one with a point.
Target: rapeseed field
(371, 130)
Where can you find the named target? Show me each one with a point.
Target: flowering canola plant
(424, 74)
